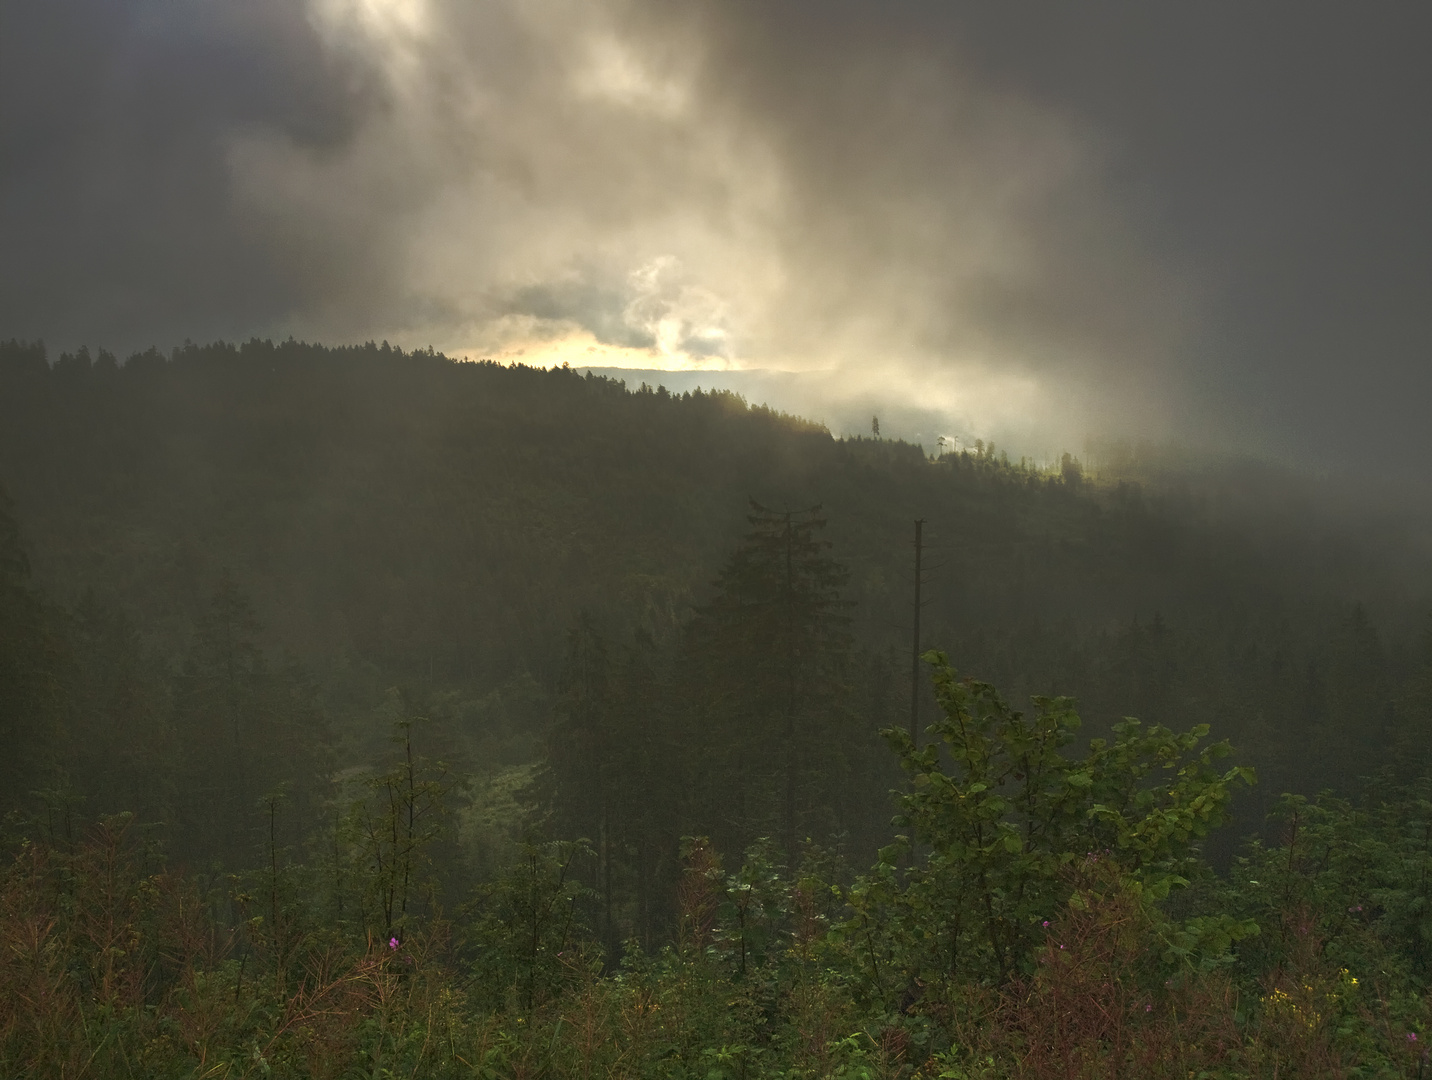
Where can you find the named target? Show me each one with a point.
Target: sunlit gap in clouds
(627, 189)
(659, 318)
(580, 349)
(943, 410)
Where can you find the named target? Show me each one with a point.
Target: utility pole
(915, 640)
(789, 602)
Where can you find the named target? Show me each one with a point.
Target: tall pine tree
(774, 650)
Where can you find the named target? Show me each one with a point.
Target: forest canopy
(400, 680)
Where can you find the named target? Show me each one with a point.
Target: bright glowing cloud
(634, 185)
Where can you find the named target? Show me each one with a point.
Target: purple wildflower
(392, 943)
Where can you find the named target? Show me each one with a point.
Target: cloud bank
(719, 186)
(874, 193)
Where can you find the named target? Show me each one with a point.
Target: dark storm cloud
(599, 307)
(1286, 150)
(1199, 221)
(114, 185)
(966, 226)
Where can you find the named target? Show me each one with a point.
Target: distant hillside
(446, 523)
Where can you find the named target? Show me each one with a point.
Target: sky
(1037, 223)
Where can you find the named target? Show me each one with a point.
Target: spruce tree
(776, 647)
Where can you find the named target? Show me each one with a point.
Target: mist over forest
(397, 628)
(808, 540)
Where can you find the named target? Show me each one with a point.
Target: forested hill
(403, 519)
(369, 708)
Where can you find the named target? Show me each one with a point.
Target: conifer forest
(367, 713)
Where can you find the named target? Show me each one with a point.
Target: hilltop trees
(421, 531)
(403, 519)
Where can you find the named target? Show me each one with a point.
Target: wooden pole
(915, 640)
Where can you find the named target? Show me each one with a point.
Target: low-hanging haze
(1202, 223)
